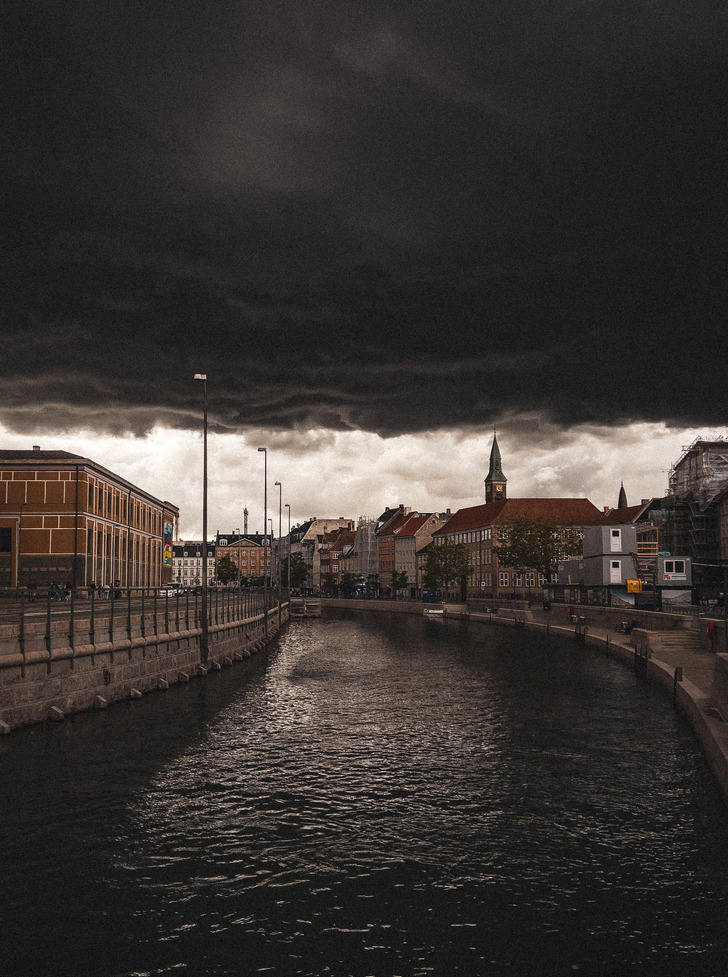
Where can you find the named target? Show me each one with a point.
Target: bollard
(678, 677)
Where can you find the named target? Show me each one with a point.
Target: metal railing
(87, 616)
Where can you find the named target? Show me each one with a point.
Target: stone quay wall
(704, 705)
(47, 676)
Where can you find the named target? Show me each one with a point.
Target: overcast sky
(380, 228)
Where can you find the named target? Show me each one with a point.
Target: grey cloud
(354, 217)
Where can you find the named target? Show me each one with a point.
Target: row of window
(111, 503)
(472, 536)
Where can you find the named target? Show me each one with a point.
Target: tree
(400, 581)
(330, 585)
(348, 584)
(536, 544)
(299, 571)
(373, 584)
(225, 570)
(448, 564)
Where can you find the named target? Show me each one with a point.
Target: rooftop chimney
(36, 447)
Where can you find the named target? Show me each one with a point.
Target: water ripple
(384, 798)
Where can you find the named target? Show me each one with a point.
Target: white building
(187, 563)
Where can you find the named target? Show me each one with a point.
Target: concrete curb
(709, 727)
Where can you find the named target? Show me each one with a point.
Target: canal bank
(56, 664)
(380, 795)
(670, 651)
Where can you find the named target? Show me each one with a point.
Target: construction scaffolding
(366, 546)
(701, 474)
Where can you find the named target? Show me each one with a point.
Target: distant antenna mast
(245, 522)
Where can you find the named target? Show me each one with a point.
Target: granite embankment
(62, 665)
(683, 655)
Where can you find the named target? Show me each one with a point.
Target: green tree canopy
(448, 564)
(348, 584)
(299, 571)
(225, 570)
(400, 580)
(536, 544)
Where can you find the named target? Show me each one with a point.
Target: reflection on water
(381, 796)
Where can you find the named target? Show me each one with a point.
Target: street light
(265, 529)
(288, 506)
(204, 636)
(280, 510)
(20, 544)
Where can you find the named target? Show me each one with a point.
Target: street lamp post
(265, 530)
(288, 552)
(204, 648)
(19, 547)
(280, 512)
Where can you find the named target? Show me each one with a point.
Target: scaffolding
(701, 473)
(366, 546)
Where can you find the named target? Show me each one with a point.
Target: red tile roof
(394, 524)
(564, 512)
(626, 514)
(412, 524)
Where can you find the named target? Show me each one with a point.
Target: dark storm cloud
(389, 216)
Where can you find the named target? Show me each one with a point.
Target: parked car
(171, 590)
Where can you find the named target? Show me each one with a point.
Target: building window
(674, 566)
(530, 579)
(503, 579)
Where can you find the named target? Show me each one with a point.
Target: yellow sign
(634, 586)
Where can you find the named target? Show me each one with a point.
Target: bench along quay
(59, 657)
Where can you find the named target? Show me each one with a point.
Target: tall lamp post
(265, 530)
(19, 547)
(288, 551)
(204, 635)
(280, 512)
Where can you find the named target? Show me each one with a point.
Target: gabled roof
(298, 532)
(630, 513)
(564, 512)
(413, 523)
(243, 541)
(341, 538)
(391, 527)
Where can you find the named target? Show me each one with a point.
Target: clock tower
(495, 483)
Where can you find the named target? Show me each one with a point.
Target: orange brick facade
(64, 518)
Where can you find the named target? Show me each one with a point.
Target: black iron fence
(102, 615)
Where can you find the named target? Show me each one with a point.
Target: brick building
(480, 527)
(251, 554)
(65, 518)
(390, 521)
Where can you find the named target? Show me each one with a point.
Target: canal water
(378, 795)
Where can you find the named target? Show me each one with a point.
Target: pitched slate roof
(564, 512)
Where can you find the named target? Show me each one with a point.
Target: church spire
(495, 483)
(622, 503)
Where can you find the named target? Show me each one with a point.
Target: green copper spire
(495, 483)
